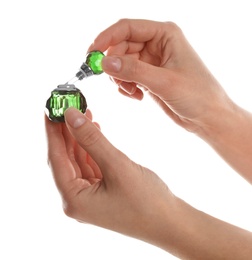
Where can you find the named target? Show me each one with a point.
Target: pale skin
(100, 185)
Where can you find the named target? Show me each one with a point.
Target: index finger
(62, 169)
(135, 30)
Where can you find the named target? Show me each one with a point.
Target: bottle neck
(84, 72)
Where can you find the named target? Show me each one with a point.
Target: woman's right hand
(156, 57)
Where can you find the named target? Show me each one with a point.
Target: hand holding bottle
(100, 185)
(156, 56)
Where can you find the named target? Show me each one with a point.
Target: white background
(43, 44)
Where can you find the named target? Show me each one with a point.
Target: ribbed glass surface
(60, 100)
(93, 60)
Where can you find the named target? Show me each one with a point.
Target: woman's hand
(101, 185)
(156, 57)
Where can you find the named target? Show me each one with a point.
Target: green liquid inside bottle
(61, 99)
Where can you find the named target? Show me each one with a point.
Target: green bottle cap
(93, 60)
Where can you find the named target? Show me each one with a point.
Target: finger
(126, 47)
(128, 89)
(92, 140)
(128, 69)
(97, 125)
(135, 30)
(86, 166)
(131, 90)
(58, 159)
(89, 114)
(83, 164)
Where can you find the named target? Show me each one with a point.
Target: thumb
(90, 138)
(130, 69)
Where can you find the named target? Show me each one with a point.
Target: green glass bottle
(63, 97)
(67, 95)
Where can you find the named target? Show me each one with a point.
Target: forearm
(229, 132)
(192, 234)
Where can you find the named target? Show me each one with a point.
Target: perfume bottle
(67, 95)
(63, 97)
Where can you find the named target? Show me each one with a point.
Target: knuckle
(70, 211)
(135, 68)
(173, 30)
(173, 27)
(70, 208)
(174, 35)
(123, 21)
(132, 68)
(49, 159)
(90, 137)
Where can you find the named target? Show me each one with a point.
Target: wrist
(218, 120)
(193, 234)
(228, 131)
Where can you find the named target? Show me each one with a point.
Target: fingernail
(128, 88)
(112, 64)
(74, 117)
(116, 81)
